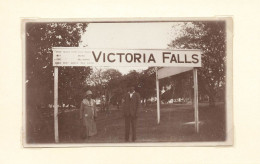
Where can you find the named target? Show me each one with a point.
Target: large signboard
(74, 56)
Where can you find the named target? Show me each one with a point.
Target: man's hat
(89, 92)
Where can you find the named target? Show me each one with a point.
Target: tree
(106, 82)
(114, 87)
(40, 38)
(210, 37)
(132, 79)
(147, 86)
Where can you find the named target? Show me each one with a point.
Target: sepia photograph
(127, 82)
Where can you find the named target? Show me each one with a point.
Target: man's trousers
(130, 122)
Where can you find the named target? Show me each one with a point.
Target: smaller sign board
(170, 71)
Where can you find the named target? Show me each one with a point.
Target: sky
(128, 36)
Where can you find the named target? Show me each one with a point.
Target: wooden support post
(196, 103)
(56, 129)
(158, 96)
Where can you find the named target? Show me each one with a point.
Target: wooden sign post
(196, 102)
(56, 105)
(158, 96)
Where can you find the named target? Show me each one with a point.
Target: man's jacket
(131, 104)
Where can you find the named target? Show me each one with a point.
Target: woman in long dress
(88, 115)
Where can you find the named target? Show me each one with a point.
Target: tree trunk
(212, 101)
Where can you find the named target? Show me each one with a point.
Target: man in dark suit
(131, 106)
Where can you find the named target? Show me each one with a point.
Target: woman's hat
(89, 92)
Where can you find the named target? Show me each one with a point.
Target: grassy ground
(174, 125)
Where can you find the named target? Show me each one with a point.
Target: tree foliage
(147, 84)
(114, 85)
(40, 38)
(106, 82)
(210, 37)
